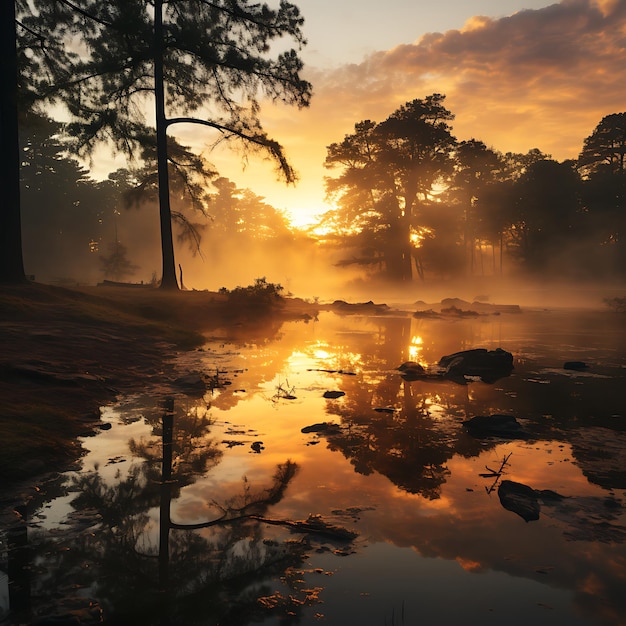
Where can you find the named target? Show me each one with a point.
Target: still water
(212, 506)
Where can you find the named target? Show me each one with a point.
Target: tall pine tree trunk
(168, 279)
(11, 260)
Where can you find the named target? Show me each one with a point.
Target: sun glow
(321, 354)
(415, 348)
(418, 235)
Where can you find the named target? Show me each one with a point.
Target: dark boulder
(488, 365)
(526, 501)
(334, 394)
(577, 366)
(410, 370)
(323, 427)
(520, 499)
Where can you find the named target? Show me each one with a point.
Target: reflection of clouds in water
(463, 522)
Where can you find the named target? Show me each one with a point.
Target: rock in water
(410, 370)
(489, 365)
(577, 366)
(324, 427)
(334, 394)
(520, 499)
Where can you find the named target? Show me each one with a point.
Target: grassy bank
(66, 352)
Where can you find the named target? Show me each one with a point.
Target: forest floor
(66, 352)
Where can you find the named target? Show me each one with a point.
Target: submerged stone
(322, 427)
(577, 366)
(334, 394)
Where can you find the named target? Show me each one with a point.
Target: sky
(517, 75)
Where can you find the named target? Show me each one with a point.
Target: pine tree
(206, 62)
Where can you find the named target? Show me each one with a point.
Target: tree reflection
(406, 431)
(409, 443)
(134, 563)
(192, 452)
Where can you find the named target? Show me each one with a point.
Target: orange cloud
(539, 78)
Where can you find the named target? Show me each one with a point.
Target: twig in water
(497, 474)
(286, 393)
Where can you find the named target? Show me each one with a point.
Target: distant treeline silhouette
(412, 200)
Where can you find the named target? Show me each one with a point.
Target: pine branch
(86, 14)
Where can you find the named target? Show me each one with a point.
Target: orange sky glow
(539, 78)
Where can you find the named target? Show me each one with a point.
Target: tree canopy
(604, 150)
(207, 62)
(386, 171)
(407, 189)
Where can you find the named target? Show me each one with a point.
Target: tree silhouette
(64, 213)
(605, 148)
(387, 171)
(476, 171)
(601, 164)
(116, 264)
(206, 58)
(11, 262)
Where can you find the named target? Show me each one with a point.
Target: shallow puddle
(385, 510)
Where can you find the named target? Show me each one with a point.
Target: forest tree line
(80, 230)
(108, 65)
(411, 201)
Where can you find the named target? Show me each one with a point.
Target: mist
(70, 251)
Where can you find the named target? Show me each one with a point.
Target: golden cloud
(537, 79)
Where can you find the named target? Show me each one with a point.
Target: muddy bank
(67, 352)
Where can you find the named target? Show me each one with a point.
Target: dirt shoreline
(66, 352)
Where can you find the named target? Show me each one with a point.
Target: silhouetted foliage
(116, 264)
(464, 207)
(212, 59)
(259, 296)
(601, 163)
(64, 211)
(603, 151)
(242, 215)
(387, 171)
(476, 173)
(547, 212)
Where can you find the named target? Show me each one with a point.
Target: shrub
(261, 295)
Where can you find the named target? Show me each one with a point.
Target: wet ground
(295, 477)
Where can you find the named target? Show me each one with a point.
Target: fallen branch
(314, 525)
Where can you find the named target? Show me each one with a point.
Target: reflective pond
(240, 494)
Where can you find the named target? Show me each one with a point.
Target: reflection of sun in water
(415, 348)
(333, 356)
(321, 354)
(435, 407)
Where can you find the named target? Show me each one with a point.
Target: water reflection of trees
(404, 439)
(193, 451)
(134, 563)
(579, 411)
